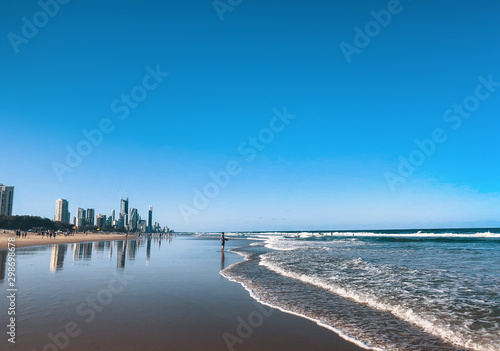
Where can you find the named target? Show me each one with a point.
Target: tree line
(30, 222)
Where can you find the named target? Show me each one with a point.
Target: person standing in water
(223, 241)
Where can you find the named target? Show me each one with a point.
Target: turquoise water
(393, 290)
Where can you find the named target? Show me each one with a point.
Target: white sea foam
(253, 294)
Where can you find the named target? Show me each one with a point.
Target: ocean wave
(225, 273)
(433, 326)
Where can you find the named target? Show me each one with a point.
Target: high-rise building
(112, 215)
(124, 210)
(81, 218)
(74, 220)
(90, 217)
(133, 220)
(62, 213)
(120, 221)
(150, 219)
(142, 226)
(6, 199)
(101, 221)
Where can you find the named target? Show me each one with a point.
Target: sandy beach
(33, 240)
(176, 301)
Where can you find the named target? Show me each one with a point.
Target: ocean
(383, 290)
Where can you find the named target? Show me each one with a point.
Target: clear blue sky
(326, 169)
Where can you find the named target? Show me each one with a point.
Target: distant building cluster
(6, 199)
(128, 219)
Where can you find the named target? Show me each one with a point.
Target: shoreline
(337, 332)
(37, 240)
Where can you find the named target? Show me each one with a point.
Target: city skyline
(130, 220)
(88, 217)
(268, 116)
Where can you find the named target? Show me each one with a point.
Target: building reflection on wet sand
(125, 249)
(148, 250)
(57, 257)
(3, 262)
(82, 252)
(121, 249)
(132, 249)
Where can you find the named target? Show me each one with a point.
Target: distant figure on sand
(223, 241)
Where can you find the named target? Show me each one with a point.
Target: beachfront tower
(150, 219)
(120, 221)
(113, 215)
(124, 211)
(133, 220)
(101, 221)
(90, 217)
(62, 212)
(6, 199)
(80, 222)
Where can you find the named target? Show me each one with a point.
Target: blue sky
(327, 168)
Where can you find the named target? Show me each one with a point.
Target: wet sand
(177, 301)
(33, 240)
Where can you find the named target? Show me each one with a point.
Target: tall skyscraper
(62, 213)
(80, 222)
(112, 215)
(90, 216)
(6, 199)
(150, 219)
(124, 210)
(133, 220)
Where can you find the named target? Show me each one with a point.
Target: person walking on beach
(223, 241)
